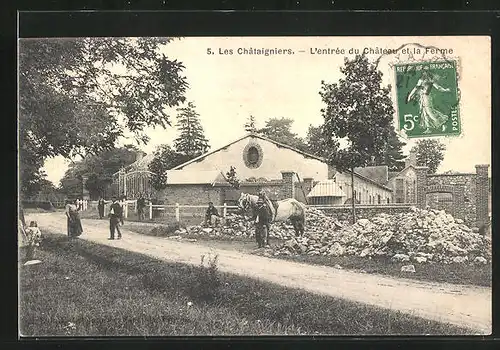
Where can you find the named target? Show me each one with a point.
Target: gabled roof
(393, 174)
(378, 173)
(370, 180)
(194, 177)
(279, 144)
(326, 188)
(141, 163)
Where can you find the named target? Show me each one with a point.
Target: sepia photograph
(250, 186)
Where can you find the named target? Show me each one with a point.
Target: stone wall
(463, 185)
(190, 195)
(469, 193)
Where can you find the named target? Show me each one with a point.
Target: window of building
(388, 201)
(253, 155)
(399, 191)
(379, 199)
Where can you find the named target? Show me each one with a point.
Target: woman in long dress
(75, 228)
(430, 117)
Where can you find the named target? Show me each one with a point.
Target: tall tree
(250, 124)
(392, 155)
(280, 130)
(359, 110)
(78, 96)
(315, 141)
(429, 153)
(165, 158)
(191, 140)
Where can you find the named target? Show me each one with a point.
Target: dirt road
(465, 306)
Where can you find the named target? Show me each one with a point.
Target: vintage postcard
(255, 186)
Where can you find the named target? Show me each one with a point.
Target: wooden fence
(175, 210)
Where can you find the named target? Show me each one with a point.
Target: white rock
(480, 260)
(420, 259)
(364, 252)
(400, 258)
(363, 222)
(336, 250)
(408, 268)
(460, 259)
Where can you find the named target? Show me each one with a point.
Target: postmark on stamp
(428, 98)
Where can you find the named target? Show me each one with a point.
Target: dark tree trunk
(353, 199)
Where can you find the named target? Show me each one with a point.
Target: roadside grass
(466, 274)
(40, 210)
(86, 289)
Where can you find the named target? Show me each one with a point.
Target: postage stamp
(428, 98)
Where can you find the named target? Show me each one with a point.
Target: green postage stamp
(428, 99)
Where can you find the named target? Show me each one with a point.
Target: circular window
(252, 155)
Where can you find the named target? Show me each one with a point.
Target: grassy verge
(81, 288)
(468, 274)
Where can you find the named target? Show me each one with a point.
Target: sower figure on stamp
(262, 219)
(430, 117)
(115, 217)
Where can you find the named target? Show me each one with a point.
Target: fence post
(126, 210)
(135, 205)
(224, 211)
(150, 210)
(177, 212)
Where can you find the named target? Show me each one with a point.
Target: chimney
(138, 155)
(411, 159)
(288, 184)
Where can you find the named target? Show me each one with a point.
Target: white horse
(286, 209)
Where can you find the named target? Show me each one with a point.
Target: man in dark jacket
(115, 217)
(211, 215)
(141, 203)
(100, 207)
(262, 219)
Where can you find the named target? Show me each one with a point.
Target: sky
(227, 88)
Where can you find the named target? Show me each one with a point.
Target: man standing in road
(262, 221)
(115, 217)
(141, 203)
(100, 207)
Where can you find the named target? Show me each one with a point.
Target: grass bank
(468, 273)
(85, 289)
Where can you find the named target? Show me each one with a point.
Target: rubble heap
(236, 225)
(418, 236)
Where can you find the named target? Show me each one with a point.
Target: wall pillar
(289, 187)
(421, 186)
(458, 201)
(482, 194)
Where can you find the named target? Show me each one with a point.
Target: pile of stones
(418, 236)
(237, 226)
